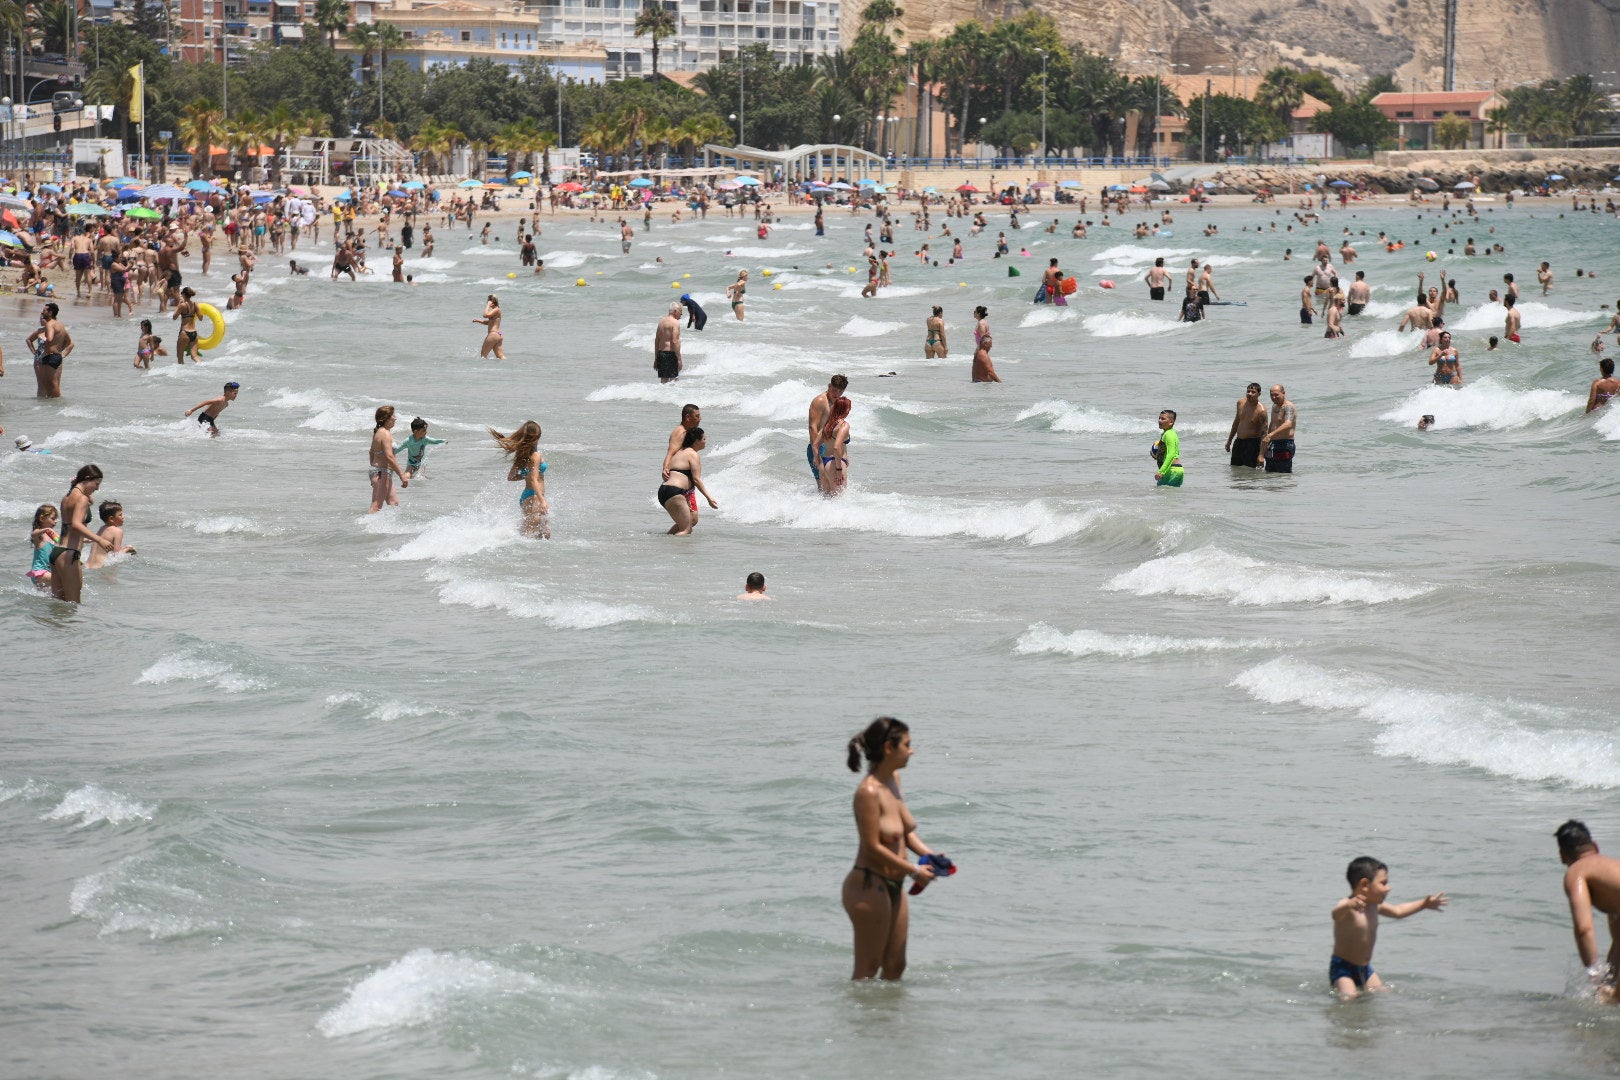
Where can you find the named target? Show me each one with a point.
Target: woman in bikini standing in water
(383, 465)
(934, 348)
(527, 465)
(735, 293)
(834, 450)
(983, 369)
(67, 569)
(685, 474)
(492, 336)
(874, 896)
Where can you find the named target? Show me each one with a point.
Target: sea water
(299, 791)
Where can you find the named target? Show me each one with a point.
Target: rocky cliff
(1499, 42)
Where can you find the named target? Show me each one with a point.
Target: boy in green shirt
(1167, 452)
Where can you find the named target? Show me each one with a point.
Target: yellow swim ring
(217, 335)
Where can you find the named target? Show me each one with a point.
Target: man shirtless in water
(1248, 427)
(820, 408)
(1591, 882)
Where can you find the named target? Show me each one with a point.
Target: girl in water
(67, 571)
(44, 537)
(1446, 363)
(1605, 388)
(934, 348)
(983, 369)
(529, 466)
(874, 897)
(148, 346)
(735, 293)
(685, 474)
(834, 450)
(492, 336)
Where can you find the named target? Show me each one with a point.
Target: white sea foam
(1516, 739)
(91, 804)
(1386, 343)
(383, 710)
(326, 412)
(219, 526)
(1487, 404)
(1062, 416)
(122, 901)
(28, 789)
(859, 327)
(1377, 309)
(1041, 638)
(1046, 314)
(417, 988)
(1122, 324)
(1211, 572)
(564, 260)
(527, 601)
(754, 438)
(189, 667)
(483, 526)
(1143, 251)
(1533, 314)
(1607, 423)
(782, 401)
(755, 500)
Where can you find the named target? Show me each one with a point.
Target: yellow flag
(137, 92)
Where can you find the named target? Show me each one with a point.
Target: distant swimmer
(1168, 471)
(1248, 428)
(1446, 363)
(984, 369)
(208, 411)
(1512, 321)
(1355, 925)
(529, 466)
(383, 465)
(821, 408)
(1277, 445)
(934, 348)
(1157, 278)
(493, 338)
(1605, 388)
(1591, 882)
(833, 449)
(1359, 294)
(874, 889)
(685, 475)
(667, 344)
(754, 586)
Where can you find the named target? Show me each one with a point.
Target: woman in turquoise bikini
(527, 465)
(834, 449)
(934, 348)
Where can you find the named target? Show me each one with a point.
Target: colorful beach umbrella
(966, 187)
(142, 212)
(10, 239)
(1069, 183)
(570, 186)
(414, 185)
(641, 182)
(471, 183)
(87, 209)
(1340, 183)
(163, 191)
(522, 174)
(396, 193)
(748, 181)
(1463, 185)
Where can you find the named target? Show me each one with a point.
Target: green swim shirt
(1172, 450)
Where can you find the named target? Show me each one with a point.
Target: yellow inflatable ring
(211, 313)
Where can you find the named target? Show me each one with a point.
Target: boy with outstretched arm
(1355, 925)
(208, 411)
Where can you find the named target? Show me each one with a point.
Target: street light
(733, 119)
(5, 103)
(1043, 104)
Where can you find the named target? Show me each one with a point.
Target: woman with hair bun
(873, 893)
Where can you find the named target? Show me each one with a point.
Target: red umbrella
(967, 187)
(570, 186)
(9, 219)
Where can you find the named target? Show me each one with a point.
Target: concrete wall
(1457, 159)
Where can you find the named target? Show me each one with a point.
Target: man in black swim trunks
(667, 344)
(1358, 295)
(51, 345)
(1248, 427)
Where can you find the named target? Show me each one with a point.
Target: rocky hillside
(1500, 42)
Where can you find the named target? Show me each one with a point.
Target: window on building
(466, 35)
(706, 32)
(1463, 113)
(706, 5)
(1399, 115)
(745, 7)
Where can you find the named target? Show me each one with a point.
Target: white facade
(709, 31)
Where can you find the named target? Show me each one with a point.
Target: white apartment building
(708, 31)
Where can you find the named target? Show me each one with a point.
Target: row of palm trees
(633, 128)
(203, 125)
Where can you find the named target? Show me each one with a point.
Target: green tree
(1378, 84)
(1152, 99)
(1587, 108)
(1321, 86)
(1234, 123)
(657, 22)
(1355, 124)
(200, 127)
(331, 17)
(56, 23)
(1452, 132)
(363, 37)
(1281, 92)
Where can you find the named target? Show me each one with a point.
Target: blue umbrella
(263, 197)
(1341, 183)
(471, 183)
(342, 196)
(9, 239)
(199, 185)
(641, 182)
(867, 182)
(1118, 187)
(163, 191)
(1068, 183)
(396, 193)
(414, 185)
(129, 194)
(748, 181)
(51, 188)
(123, 181)
(522, 174)
(1555, 176)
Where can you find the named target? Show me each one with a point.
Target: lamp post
(1043, 104)
(5, 103)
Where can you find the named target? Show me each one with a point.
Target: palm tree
(1498, 122)
(698, 130)
(363, 37)
(390, 38)
(244, 135)
(657, 22)
(630, 125)
(1281, 93)
(1585, 106)
(57, 25)
(280, 125)
(331, 19)
(601, 135)
(199, 128)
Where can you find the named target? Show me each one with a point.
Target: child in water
(44, 538)
(148, 346)
(416, 446)
(1355, 925)
(754, 588)
(112, 531)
